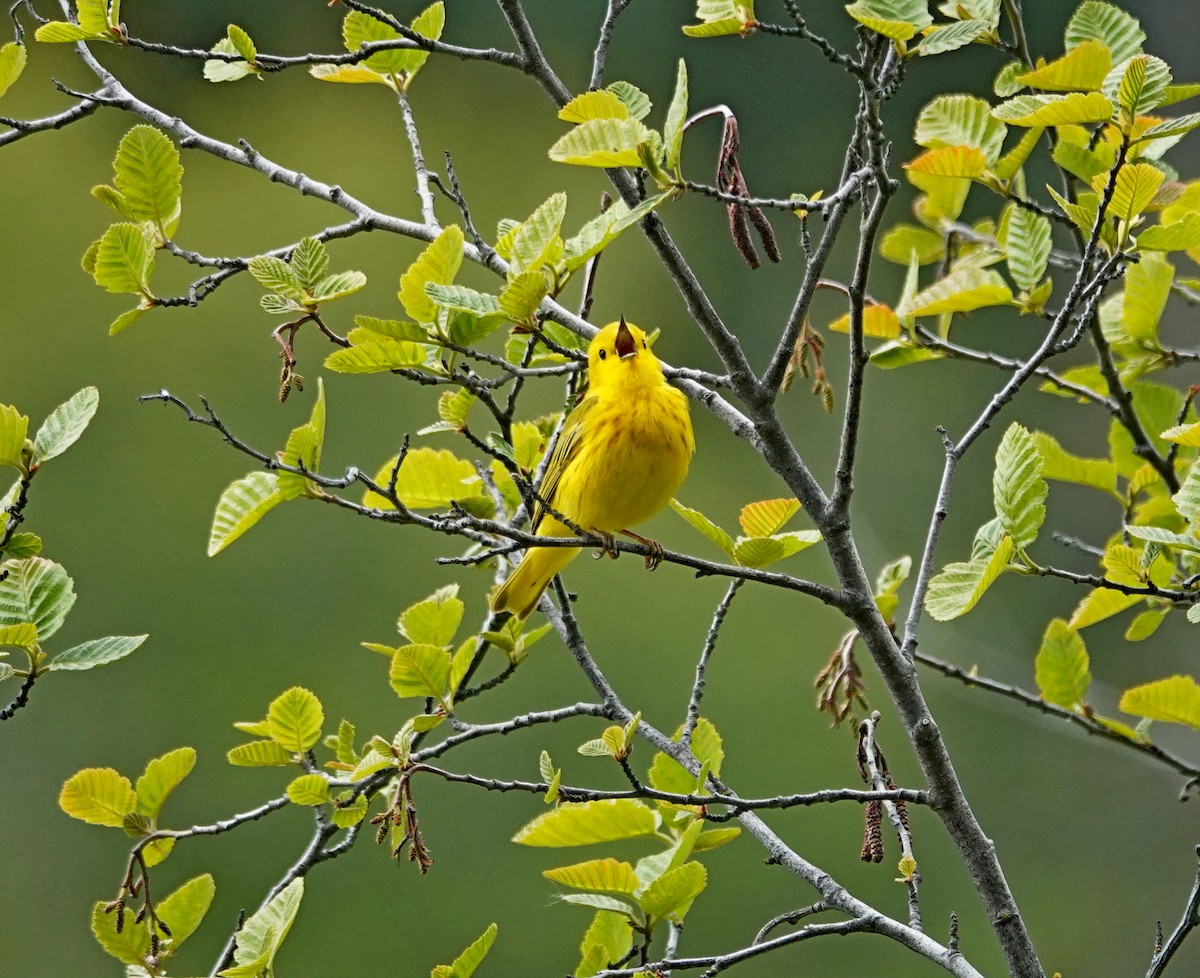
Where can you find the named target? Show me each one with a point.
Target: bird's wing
(566, 450)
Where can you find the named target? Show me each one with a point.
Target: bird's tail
(523, 589)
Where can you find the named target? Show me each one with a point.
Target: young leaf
(1054, 110)
(309, 263)
(130, 945)
(434, 620)
(149, 175)
(260, 936)
(673, 892)
(598, 875)
(373, 353)
(12, 63)
(1082, 69)
(20, 636)
(303, 450)
(955, 591)
(242, 504)
(14, 428)
(962, 291)
(1136, 185)
(219, 70)
(1138, 85)
(1120, 33)
(294, 720)
(602, 142)
(1027, 247)
(1018, 489)
(583, 823)
(259, 753)
(601, 104)
(676, 115)
(98, 796)
(36, 590)
(898, 19)
(184, 909)
(161, 777)
(428, 479)
(879, 321)
(65, 424)
(763, 518)
(705, 526)
(1173, 700)
(277, 275)
(420, 670)
(465, 964)
(309, 789)
(1063, 673)
(960, 120)
(1062, 466)
(125, 259)
(950, 37)
(1147, 287)
(438, 263)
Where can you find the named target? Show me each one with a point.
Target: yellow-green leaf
(428, 479)
(1054, 110)
(1063, 673)
(1018, 488)
(241, 505)
(598, 875)
(601, 142)
(1174, 700)
(309, 789)
(1120, 32)
(259, 753)
(1147, 287)
(1136, 185)
(879, 321)
(14, 429)
(161, 777)
(601, 104)
(420, 670)
(131, 944)
(768, 516)
(99, 796)
(184, 909)
(958, 587)
(438, 263)
(899, 20)
(961, 291)
(465, 964)
(1062, 466)
(1081, 69)
(673, 892)
(583, 823)
(960, 120)
(12, 63)
(294, 720)
(702, 523)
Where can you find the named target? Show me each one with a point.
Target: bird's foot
(608, 547)
(654, 558)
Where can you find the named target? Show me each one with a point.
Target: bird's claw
(608, 546)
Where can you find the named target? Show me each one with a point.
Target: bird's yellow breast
(637, 448)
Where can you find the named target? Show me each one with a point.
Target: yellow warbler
(621, 455)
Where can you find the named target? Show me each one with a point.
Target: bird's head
(619, 354)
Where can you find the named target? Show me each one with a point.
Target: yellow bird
(622, 453)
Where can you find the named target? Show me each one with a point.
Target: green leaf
(277, 275)
(259, 753)
(1181, 235)
(1063, 674)
(435, 620)
(673, 892)
(149, 175)
(1145, 624)
(583, 823)
(420, 670)
(184, 909)
(1083, 68)
(960, 120)
(763, 518)
(242, 43)
(242, 504)
(374, 353)
(1138, 85)
(36, 590)
(131, 944)
(1062, 466)
(1081, 159)
(1170, 127)
(65, 424)
(598, 875)
(1054, 110)
(98, 796)
(125, 320)
(715, 838)
(428, 479)
(14, 429)
(349, 813)
(1018, 488)
(1120, 33)
(537, 241)
(601, 104)
(338, 285)
(1136, 185)
(1147, 287)
(438, 263)
(676, 115)
(903, 240)
(602, 142)
(636, 101)
(961, 291)
(1187, 499)
(21, 545)
(309, 263)
(309, 789)
(219, 70)
(898, 19)
(1173, 700)
(161, 777)
(705, 526)
(260, 936)
(951, 37)
(1027, 247)
(761, 551)
(97, 652)
(459, 297)
(465, 964)
(955, 591)
(60, 32)
(12, 63)
(19, 636)
(523, 295)
(607, 940)
(294, 720)
(303, 450)
(125, 258)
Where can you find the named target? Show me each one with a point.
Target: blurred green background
(1092, 838)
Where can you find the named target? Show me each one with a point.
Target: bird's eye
(644, 347)
(603, 354)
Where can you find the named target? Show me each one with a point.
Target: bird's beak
(626, 344)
